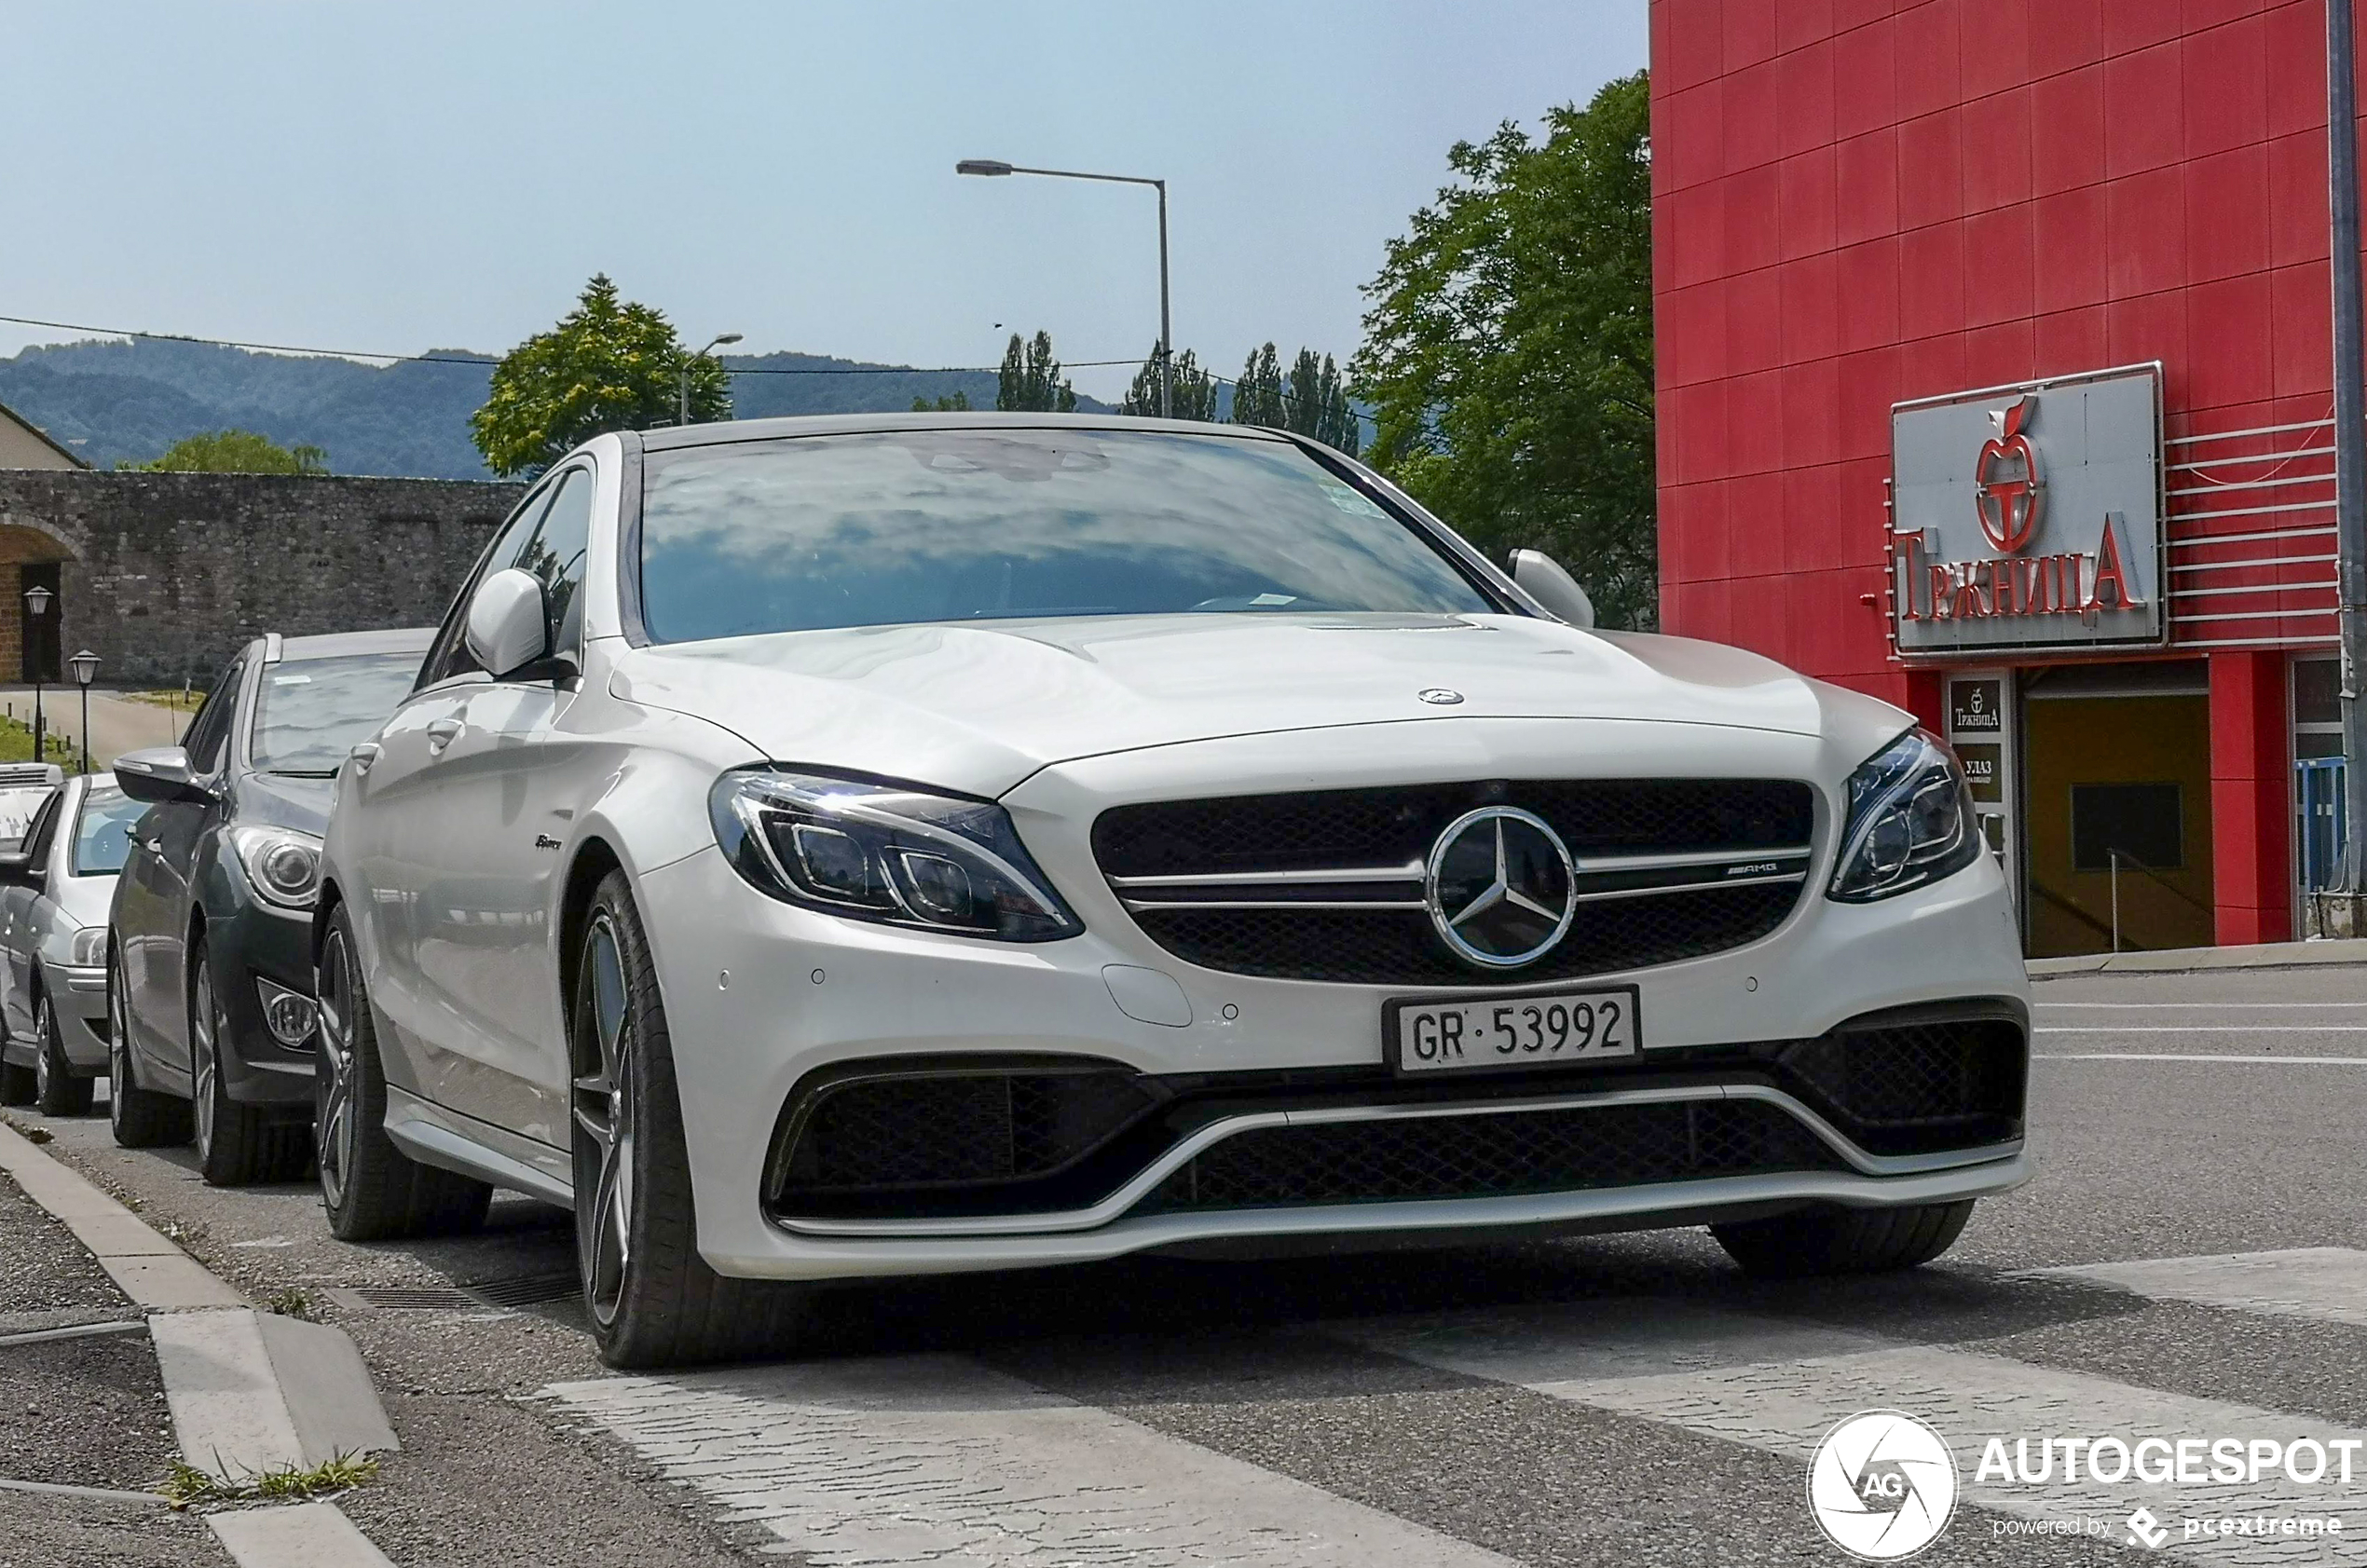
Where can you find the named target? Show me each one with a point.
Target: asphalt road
(1620, 1399)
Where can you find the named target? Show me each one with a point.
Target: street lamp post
(997, 167)
(85, 666)
(683, 412)
(36, 605)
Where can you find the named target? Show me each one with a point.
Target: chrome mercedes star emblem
(1440, 695)
(1500, 886)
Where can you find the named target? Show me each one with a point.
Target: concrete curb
(249, 1392)
(2263, 955)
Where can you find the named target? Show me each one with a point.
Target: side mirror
(507, 628)
(159, 775)
(17, 870)
(1543, 580)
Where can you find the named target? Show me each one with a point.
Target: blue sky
(403, 176)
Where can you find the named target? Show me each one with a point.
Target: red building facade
(1858, 204)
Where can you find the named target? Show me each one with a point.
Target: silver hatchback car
(55, 887)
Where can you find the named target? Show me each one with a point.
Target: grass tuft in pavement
(185, 1484)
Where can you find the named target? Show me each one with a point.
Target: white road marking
(1780, 1387)
(2178, 1006)
(2325, 1284)
(928, 1458)
(2200, 1029)
(2191, 1057)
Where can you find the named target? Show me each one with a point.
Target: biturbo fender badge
(1500, 886)
(544, 842)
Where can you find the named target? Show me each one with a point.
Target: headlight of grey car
(894, 854)
(282, 865)
(1910, 821)
(89, 948)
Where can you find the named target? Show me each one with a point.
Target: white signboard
(2029, 517)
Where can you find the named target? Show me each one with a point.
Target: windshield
(19, 804)
(979, 525)
(103, 831)
(311, 712)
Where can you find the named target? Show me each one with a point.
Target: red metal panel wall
(1858, 202)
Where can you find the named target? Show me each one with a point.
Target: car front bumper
(761, 994)
(78, 998)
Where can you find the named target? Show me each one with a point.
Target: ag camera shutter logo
(1882, 1485)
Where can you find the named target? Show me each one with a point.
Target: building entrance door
(2117, 789)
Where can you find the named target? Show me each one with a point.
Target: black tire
(373, 1190)
(17, 1086)
(139, 1118)
(1844, 1241)
(652, 1300)
(58, 1089)
(238, 1145)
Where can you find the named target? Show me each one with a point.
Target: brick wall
(164, 575)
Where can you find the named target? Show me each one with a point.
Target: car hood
(286, 801)
(979, 707)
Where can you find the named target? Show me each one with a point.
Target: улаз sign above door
(2029, 517)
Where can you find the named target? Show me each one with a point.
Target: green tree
(236, 452)
(609, 364)
(1031, 380)
(957, 402)
(1508, 350)
(1195, 389)
(1316, 402)
(1257, 396)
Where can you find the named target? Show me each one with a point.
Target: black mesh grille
(1374, 828)
(923, 1130)
(1911, 1086)
(1319, 829)
(1396, 948)
(1404, 1160)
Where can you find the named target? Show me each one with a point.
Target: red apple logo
(2006, 488)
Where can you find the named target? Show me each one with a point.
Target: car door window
(449, 655)
(207, 741)
(555, 555)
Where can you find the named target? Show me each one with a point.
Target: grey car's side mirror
(159, 775)
(1543, 579)
(508, 629)
(17, 870)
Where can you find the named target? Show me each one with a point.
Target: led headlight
(1910, 821)
(89, 948)
(283, 864)
(888, 852)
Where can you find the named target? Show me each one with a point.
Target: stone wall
(164, 575)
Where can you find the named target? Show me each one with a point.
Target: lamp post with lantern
(36, 605)
(85, 666)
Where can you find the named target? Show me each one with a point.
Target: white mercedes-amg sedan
(832, 849)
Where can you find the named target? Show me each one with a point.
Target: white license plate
(1495, 1034)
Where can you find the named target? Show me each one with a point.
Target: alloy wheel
(45, 1030)
(604, 1109)
(335, 1125)
(202, 1056)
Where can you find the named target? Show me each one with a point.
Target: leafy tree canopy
(1508, 351)
(1195, 389)
(1311, 400)
(957, 401)
(1031, 380)
(236, 452)
(1257, 396)
(609, 364)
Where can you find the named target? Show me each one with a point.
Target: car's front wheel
(139, 1118)
(372, 1188)
(58, 1089)
(237, 1144)
(1844, 1241)
(652, 1300)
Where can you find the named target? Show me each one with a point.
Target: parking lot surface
(2192, 1260)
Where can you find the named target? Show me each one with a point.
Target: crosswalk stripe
(934, 1458)
(1780, 1387)
(2327, 1284)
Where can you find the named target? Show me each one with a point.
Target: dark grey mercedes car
(209, 962)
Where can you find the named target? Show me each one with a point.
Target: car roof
(340, 645)
(729, 431)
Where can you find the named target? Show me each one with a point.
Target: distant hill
(112, 402)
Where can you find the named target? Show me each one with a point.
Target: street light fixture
(684, 410)
(37, 604)
(85, 666)
(996, 167)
